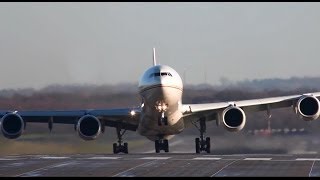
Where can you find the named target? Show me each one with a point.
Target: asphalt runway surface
(231, 155)
(160, 165)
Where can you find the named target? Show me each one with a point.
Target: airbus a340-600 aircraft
(161, 114)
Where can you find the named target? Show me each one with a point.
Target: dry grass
(58, 144)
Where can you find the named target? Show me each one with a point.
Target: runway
(160, 165)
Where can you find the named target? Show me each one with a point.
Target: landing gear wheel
(161, 144)
(197, 145)
(208, 145)
(115, 149)
(166, 145)
(125, 145)
(156, 143)
(120, 148)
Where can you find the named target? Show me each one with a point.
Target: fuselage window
(160, 74)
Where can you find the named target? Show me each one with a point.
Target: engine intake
(12, 125)
(233, 118)
(308, 108)
(89, 127)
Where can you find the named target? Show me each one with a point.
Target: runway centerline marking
(155, 158)
(8, 159)
(206, 158)
(104, 158)
(53, 157)
(307, 159)
(257, 159)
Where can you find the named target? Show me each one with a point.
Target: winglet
(154, 57)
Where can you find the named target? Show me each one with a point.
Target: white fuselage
(161, 90)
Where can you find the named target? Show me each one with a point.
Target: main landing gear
(119, 147)
(202, 143)
(161, 144)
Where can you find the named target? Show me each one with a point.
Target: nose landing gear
(162, 120)
(161, 144)
(161, 107)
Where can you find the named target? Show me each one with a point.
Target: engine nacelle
(233, 118)
(308, 108)
(89, 127)
(12, 125)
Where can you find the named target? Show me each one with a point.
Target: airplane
(161, 114)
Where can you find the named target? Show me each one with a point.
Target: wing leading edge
(211, 110)
(126, 118)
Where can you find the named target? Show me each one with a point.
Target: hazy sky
(104, 42)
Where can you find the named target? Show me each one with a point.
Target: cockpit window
(160, 74)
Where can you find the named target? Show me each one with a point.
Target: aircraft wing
(109, 117)
(210, 110)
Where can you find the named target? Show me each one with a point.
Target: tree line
(59, 97)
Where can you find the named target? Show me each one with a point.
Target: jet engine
(233, 118)
(89, 127)
(308, 108)
(12, 125)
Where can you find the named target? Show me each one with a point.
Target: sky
(44, 43)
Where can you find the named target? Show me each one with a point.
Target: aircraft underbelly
(167, 98)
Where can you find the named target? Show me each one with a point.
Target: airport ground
(233, 154)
